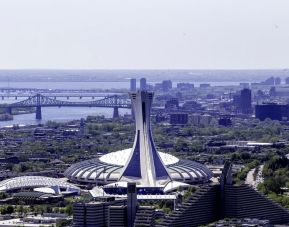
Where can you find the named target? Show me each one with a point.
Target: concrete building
(172, 104)
(246, 101)
(272, 110)
(114, 213)
(179, 118)
(198, 119)
(218, 201)
(185, 86)
(167, 85)
(144, 165)
(132, 85)
(96, 213)
(225, 121)
(143, 84)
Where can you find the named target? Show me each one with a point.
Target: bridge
(59, 95)
(38, 101)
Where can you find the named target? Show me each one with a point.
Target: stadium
(142, 163)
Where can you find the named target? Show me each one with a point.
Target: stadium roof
(34, 182)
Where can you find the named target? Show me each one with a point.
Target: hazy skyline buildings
(133, 84)
(143, 84)
(246, 101)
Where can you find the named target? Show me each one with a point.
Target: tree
(9, 209)
(69, 209)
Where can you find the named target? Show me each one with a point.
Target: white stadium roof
(121, 157)
(34, 182)
(107, 169)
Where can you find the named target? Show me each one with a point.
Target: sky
(144, 34)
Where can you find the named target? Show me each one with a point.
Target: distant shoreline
(186, 75)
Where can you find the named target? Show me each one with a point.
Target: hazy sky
(144, 34)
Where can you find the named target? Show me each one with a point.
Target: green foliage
(7, 209)
(63, 223)
(241, 176)
(69, 209)
(188, 193)
(276, 176)
(3, 195)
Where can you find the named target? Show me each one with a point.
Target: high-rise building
(272, 110)
(167, 85)
(143, 84)
(132, 84)
(179, 118)
(144, 165)
(246, 101)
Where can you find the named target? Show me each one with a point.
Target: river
(57, 114)
(65, 114)
(62, 114)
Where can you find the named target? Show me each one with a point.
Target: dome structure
(108, 168)
(31, 182)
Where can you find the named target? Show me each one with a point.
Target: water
(62, 114)
(112, 79)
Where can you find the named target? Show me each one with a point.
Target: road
(250, 177)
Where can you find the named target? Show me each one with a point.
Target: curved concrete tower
(144, 166)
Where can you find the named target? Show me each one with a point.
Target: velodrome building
(142, 163)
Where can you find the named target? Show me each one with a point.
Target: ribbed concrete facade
(94, 213)
(117, 216)
(201, 208)
(244, 202)
(239, 202)
(145, 216)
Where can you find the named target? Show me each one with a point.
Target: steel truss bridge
(38, 101)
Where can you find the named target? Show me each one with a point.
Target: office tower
(272, 110)
(143, 84)
(167, 85)
(246, 101)
(133, 85)
(144, 165)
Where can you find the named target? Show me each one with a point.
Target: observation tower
(144, 165)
